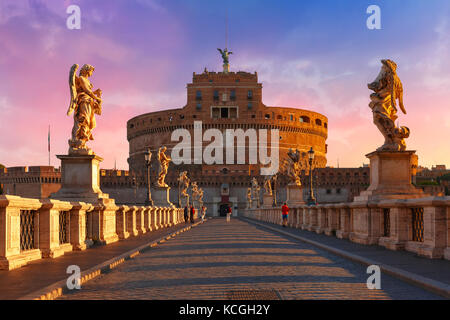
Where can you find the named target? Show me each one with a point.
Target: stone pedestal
(160, 197)
(294, 195)
(80, 179)
(391, 176)
(255, 203)
(226, 68)
(267, 200)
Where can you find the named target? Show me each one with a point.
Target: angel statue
(388, 89)
(225, 55)
(85, 104)
(164, 161)
(268, 185)
(255, 191)
(184, 180)
(197, 193)
(296, 164)
(249, 198)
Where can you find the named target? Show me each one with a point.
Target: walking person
(228, 214)
(192, 213)
(285, 213)
(203, 213)
(186, 214)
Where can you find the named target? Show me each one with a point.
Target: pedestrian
(192, 213)
(186, 214)
(285, 212)
(228, 214)
(203, 213)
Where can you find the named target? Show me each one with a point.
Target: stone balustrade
(32, 229)
(419, 225)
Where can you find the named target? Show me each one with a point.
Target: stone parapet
(420, 225)
(31, 229)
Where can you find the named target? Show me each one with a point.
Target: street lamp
(311, 199)
(148, 158)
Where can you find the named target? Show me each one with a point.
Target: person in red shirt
(285, 212)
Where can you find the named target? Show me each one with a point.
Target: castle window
(216, 95)
(249, 105)
(267, 116)
(325, 125)
(233, 113)
(199, 106)
(215, 113)
(253, 116)
(198, 95)
(328, 191)
(181, 116)
(318, 122)
(291, 117)
(304, 119)
(279, 117)
(338, 191)
(194, 116)
(224, 112)
(233, 95)
(249, 94)
(131, 126)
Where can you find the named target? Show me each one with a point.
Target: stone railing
(32, 229)
(421, 225)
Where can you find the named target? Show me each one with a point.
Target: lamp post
(179, 191)
(148, 159)
(311, 199)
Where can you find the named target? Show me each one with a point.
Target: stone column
(11, 256)
(333, 221)
(306, 217)
(321, 220)
(104, 221)
(131, 221)
(158, 217)
(153, 218)
(313, 223)
(299, 217)
(148, 218)
(49, 228)
(140, 220)
(121, 222)
(435, 232)
(344, 229)
(78, 225)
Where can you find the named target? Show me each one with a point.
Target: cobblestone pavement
(217, 258)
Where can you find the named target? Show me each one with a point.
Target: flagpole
(49, 145)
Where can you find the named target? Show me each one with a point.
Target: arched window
(318, 122)
(304, 119)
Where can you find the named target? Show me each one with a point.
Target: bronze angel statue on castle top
(84, 104)
(388, 89)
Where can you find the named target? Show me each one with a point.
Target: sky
(317, 55)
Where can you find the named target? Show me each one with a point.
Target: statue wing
(220, 50)
(73, 88)
(399, 95)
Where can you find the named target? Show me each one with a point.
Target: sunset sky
(316, 55)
